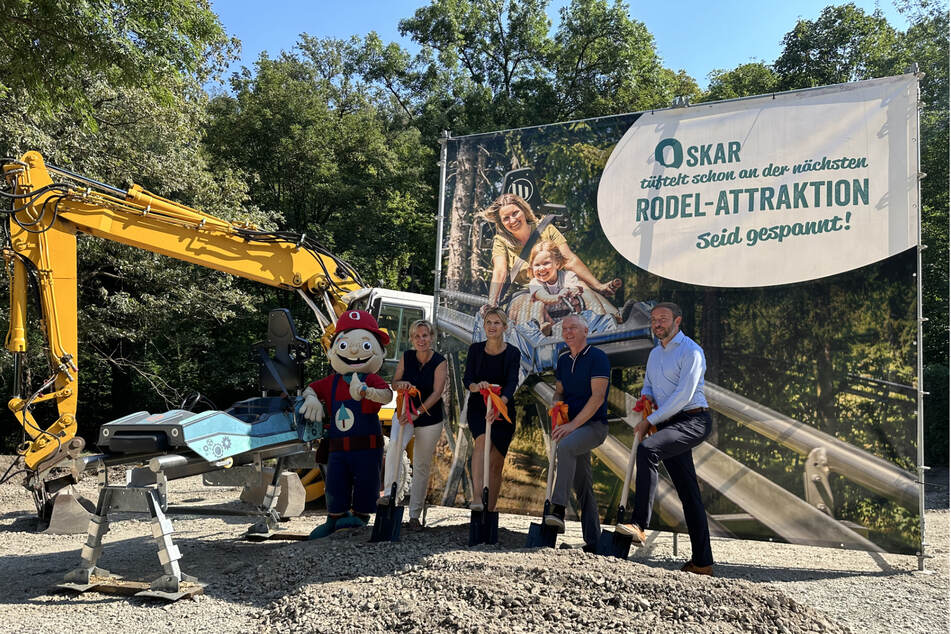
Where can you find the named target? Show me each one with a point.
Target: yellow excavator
(51, 205)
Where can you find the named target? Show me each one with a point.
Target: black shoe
(556, 518)
(590, 548)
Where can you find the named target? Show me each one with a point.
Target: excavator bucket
(71, 513)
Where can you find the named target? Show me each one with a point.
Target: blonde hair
(499, 313)
(420, 323)
(547, 246)
(493, 214)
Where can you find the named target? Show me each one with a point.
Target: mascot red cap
(361, 320)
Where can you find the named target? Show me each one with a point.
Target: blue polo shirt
(575, 374)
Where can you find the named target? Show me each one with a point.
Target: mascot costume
(348, 402)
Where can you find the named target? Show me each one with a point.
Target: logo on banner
(767, 191)
(522, 187)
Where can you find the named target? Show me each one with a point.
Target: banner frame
(921, 393)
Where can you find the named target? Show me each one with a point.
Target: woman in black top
(490, 362)
(426, 370)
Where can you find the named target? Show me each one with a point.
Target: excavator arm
(44, 220)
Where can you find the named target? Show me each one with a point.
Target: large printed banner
(786, 228)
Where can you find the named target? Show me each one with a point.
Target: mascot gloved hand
(311, 409)
(360, 390)
(351, 397)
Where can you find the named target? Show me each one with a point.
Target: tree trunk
(475, 235)
(456, 276)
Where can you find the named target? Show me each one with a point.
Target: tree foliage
(52, 50)
(331, 156)
(755, 78)
(492, 64)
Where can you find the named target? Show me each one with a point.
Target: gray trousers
(574, 472)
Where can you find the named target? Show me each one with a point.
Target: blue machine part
(248, 425)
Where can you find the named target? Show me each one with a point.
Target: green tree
(150, 328)
(926, 44)
(52, 50)
(332, 156)
(755, 78)
(843, 44)
(492, 64)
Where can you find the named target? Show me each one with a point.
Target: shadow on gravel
(936, 488)
(345, 556)
(761, 574)
(235, 570)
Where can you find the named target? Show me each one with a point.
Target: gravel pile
(489, 589)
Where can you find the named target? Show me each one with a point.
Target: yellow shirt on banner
(501, 246)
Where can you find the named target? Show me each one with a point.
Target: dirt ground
(431, 581)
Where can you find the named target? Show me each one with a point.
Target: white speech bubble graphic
(768, 190)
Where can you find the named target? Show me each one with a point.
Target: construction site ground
(432, 582)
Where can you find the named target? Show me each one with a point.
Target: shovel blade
(387, 524)
(541, 536)
(484, 527)
(614, 544)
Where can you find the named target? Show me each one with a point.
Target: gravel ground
(432, 582)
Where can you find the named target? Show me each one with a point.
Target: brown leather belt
(355, 443)
(694, 411)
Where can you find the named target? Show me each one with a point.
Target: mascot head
(358, 344)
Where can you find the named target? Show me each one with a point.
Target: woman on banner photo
(517, 230)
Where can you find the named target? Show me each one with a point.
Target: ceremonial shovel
(540, 535)
(389, 518)
(484, 524)
(613, 543)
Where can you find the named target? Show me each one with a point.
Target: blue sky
(694, 35)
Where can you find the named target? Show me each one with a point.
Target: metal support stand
(268, 523)
(136, 499)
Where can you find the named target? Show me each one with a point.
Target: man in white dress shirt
(674, 381)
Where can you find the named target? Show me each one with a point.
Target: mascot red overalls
(348, 402)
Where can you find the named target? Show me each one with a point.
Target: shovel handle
(630, 469)
(399, 450)
(551, 467)
(486, 450)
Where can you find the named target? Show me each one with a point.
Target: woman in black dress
(424, 369)
(490, 362)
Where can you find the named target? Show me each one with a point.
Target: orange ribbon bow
(645, 405)
(493, 400)
(405, 404)
(558, 413)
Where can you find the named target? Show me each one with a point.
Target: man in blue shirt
(582, 376)
(674, 381)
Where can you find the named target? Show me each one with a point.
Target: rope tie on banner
(558, 413)
(404, 403)
(646, 406)
(494, 404)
